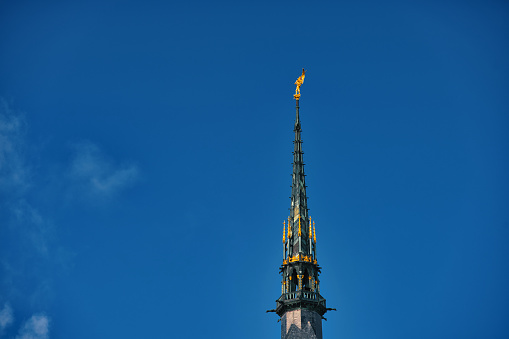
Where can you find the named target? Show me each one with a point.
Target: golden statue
(299, 82)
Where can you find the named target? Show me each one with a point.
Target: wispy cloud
(26, 233)
(92, 171)
(6, 317)
(37, 327)
(13, 169)
(29, 249)
(35, 230)
(25, 246)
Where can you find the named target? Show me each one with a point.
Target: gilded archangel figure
(299, 82)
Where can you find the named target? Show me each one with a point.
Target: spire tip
(299, 82)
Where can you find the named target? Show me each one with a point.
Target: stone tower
(300, 306)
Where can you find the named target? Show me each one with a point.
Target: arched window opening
(306, 281)
(294, 282)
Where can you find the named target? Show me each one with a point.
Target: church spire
(300, 306)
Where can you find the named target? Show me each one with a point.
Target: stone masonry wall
(301, 324)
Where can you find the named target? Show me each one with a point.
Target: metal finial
(299, 82)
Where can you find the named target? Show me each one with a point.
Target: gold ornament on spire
(309, 227)
(300, 233)
(314, 232)
(284, 231)
(299, 82)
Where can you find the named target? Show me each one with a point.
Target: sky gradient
(145, 162)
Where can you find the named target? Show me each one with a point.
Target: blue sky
(145, 160)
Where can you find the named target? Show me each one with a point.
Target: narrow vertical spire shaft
(297, 120)
(299, 212)
(300, 301)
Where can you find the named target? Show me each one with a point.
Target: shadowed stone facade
(301, 324)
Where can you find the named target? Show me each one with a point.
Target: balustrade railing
(308, 295)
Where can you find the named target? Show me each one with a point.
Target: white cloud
(91, 170)
(13, 170)
(6, 317)
(33, 250)
(28, 232)
(32, 225)
(37, 327)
